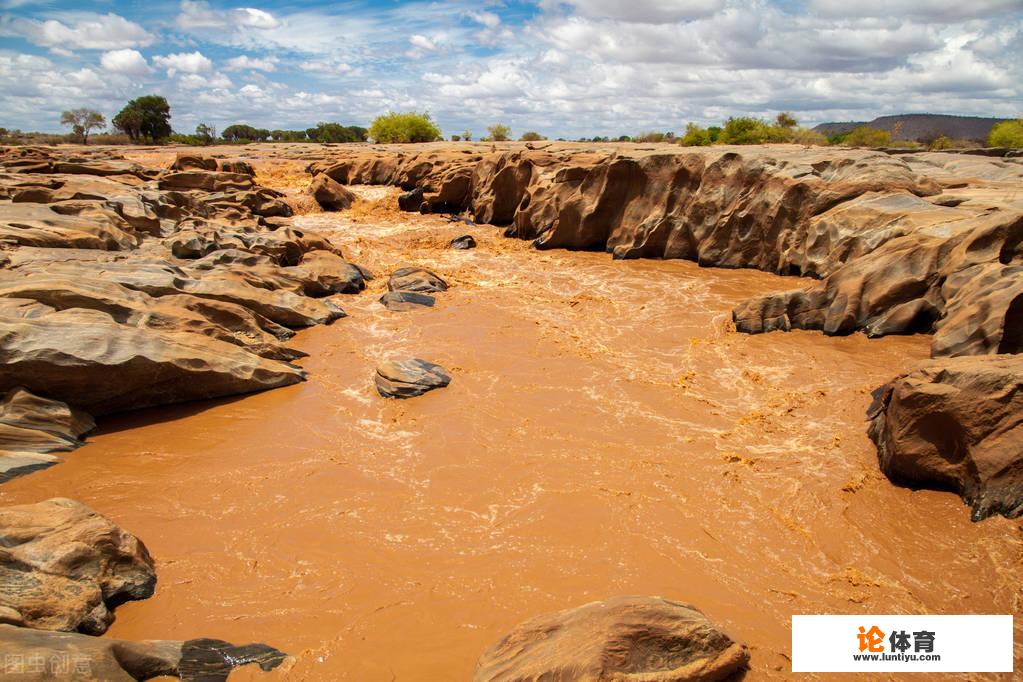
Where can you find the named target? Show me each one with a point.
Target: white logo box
(964, 643)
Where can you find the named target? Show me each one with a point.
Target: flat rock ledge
(956, 424)
(624, 639)
(409, 378)
(64, 567)
(35, 655)
(31, 428)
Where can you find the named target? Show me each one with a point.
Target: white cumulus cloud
(184, 62)
(247, 63)
(89, 31)
(127, 62)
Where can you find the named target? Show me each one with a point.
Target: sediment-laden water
(605, 432)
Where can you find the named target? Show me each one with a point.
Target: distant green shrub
(807, 138)
(531, 136)
(1007, 134)
(695, 136)
(409, 126)
(650, 136)
(745, 130)
(865, 136)
(499, 132)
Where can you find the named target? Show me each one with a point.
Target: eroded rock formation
(123, 286)
(896, 243)
(646, 639)
(31, 428)
(64, 567)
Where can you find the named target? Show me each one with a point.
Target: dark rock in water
(464, 242)
(45, 655)
(625, 638)
(64, 567)
(411, 201)
(401, 301)
(416, 279)
(409, 378)
(211, 660)
(956, 424)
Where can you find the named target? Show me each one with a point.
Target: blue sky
(563, 68)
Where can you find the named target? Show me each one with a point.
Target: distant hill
(925, 127)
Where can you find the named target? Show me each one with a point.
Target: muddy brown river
(606, 432)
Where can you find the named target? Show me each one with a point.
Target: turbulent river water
(606, 432)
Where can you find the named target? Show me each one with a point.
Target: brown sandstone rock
(193, 162)
(640, 639)
(329, 194)
(64, 567)
(956, 424)
(408, 378)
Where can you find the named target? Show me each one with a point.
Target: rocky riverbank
(124, 285)
(898, 244)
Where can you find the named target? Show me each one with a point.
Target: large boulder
(330, 195)
(419, 280)
(65, 567)
(639, 639)
(36, 656)
(956, 424)
(409, 378)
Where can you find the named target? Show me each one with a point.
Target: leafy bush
(695, 136)
(1007, 134)
(531, 136)
(745, 130)
(807, 137)
(335, 132)
(865, 136)
(409, 126)
(456, 138)
(650, 136)
(467, 135)
(499, 132)
(191, 140)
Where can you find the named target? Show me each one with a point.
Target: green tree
(82, 121)
(240, 132)
(456, 138)
(467, 135)
(531, 136)
(499, 132)
(409, 126)
(1007, 134)
(786, 120)
(206, 133)
(146, 117)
